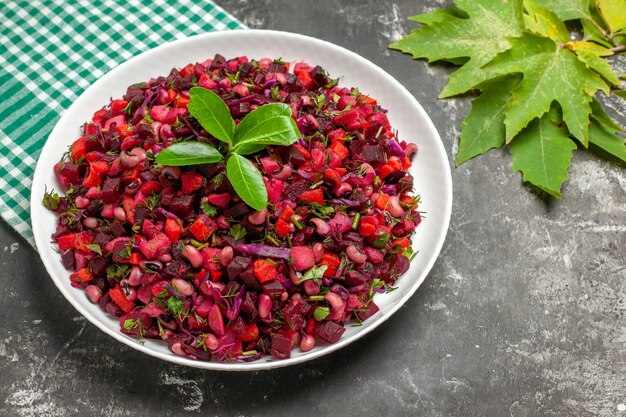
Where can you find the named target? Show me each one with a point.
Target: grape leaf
(598, 113)
(606, 139)
(543, 153)
(438, 16)
(480, 37)
(247, 181)
(591, 54)
(602, 132)
(542, 21)
(568, 9)
(550, 74)
(483, 128)
(620, 93)
(614, 13)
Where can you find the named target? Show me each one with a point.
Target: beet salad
(304, 216)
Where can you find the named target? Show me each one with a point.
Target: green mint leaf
(543, 153)
(320, 313)
(550, 74)
(212, 113)
(477, 31)
(252, 120)
(542, 21)
(483, 128)
(614, 14)
(278, 130)
(189, 153)
(259, 115)
(247, 181)
(317, 272)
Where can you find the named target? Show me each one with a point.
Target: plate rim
(41, 241)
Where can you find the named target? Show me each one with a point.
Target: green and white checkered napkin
(50, 51)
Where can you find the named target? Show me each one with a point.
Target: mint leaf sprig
(267, 125)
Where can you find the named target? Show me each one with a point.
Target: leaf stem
(619, 49)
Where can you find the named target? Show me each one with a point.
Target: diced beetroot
(302, 257)
(330, 331)
(270, 166)
(250, 280)
(216, 322)
(155, 247)
(274, 189)
(135, 323)
(219, 200)
(110, 190)
(274, 288)
(370, 310)
(373, 255)
(182, 206)
(281, 346)
(67, 174)
(237, 266)
(163, 114)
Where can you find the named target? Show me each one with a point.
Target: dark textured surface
(522, 315)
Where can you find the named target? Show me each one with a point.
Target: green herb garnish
(267, 125)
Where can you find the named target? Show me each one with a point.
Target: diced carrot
(313, 196)
(118, 297)
(332, 262)
(264, 270)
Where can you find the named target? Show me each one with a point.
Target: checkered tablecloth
(50, 51)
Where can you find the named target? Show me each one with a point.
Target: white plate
(430, 168)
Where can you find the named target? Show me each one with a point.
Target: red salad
(177, 255)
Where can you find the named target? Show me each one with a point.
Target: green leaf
(253, 119)
(247, 181)
(592, 33)
(480, 37)
(591, 54)
(189, 153)
(598, 114)
(438, 16)
(543, 153)
(238, 231)
(620, 93)
(317, 272)
(483, 128)
(320, 313)
(550, 74)
(50, 199)
(212, 113)
(94, 247)
(568, 9)
(606, 139)
(614, 13)
(277, 130)
(542, 21)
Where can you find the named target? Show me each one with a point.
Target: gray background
(522, 315)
